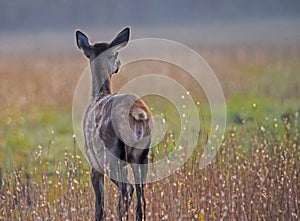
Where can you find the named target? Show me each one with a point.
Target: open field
(255, 175)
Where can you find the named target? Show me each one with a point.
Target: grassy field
(255, 175)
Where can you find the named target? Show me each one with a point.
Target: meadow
(255, 175)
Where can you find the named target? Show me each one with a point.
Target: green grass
(22, 132)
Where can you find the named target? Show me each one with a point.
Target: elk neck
(101, 85)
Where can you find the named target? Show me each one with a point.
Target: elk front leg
(98, 185)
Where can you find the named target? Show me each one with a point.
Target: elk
(117, 129)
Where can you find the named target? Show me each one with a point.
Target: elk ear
(83, 43)
(121, 39)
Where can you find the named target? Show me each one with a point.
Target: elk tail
(139, 114)
(140, 120)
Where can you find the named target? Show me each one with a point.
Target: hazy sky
(28, 25)
(61, 14)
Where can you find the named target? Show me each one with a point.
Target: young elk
(117, 129)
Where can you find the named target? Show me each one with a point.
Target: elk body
(117, 129)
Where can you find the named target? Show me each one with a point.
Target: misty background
(33, 24)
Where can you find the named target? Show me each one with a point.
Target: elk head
(103, 57)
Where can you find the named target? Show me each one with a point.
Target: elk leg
(140, 173)
(125, 194)
(98, 185)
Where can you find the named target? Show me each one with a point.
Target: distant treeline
(48, 14)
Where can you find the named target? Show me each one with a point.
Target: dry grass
(256, 178)
(29, 81)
